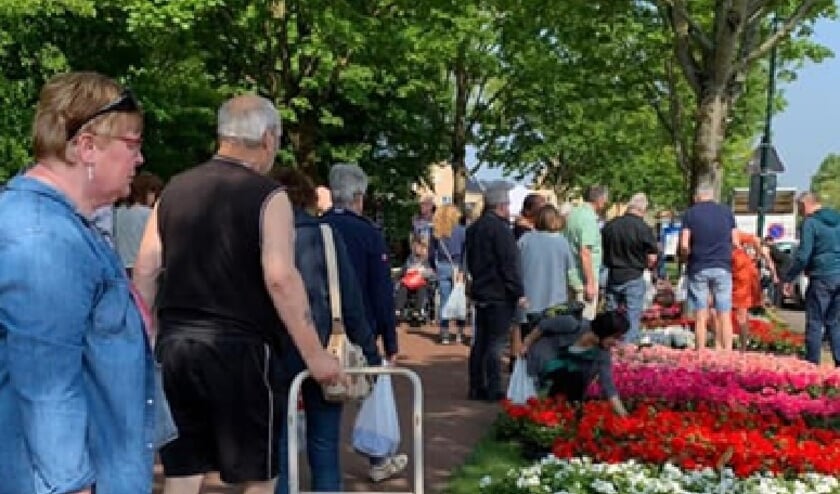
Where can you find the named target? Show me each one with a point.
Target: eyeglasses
(125, 103)
(133, 143)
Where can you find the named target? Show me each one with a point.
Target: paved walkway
(452, 424)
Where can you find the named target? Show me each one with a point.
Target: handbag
(349, 355)
(413, 279)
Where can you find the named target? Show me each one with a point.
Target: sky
(808, 129)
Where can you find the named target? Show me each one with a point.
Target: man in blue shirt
(819, 254)
(706, 240)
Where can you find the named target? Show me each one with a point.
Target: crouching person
(566, 353)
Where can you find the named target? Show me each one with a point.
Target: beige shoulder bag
(349, 355)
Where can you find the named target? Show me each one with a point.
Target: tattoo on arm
(307, 316)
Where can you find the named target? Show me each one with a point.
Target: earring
(90, 173)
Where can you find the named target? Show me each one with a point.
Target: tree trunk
(303, 138)
(710, 133)
(459, 133)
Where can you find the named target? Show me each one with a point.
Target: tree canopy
(646, 95)
(826, 182)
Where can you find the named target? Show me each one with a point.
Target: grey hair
(346, 182)
(705, 190)
(638, 203)
(808, 195)
(247, 118)
(595, 192)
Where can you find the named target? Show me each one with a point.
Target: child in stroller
(415, 284)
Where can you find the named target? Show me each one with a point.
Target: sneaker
(444, 340)
(390, 467)
(459, 339)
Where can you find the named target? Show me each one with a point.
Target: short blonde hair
(444, 221)
(65, 106)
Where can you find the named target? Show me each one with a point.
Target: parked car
(800, 284)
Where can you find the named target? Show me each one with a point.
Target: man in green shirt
(585, 241)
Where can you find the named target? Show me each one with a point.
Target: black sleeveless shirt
(209, 223)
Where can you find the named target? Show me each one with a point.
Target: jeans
(445, 273)
(716, 281)
(631, 295)
(323, 429)
(492, 325)
(822, 309)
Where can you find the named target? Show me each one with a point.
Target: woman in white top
(131, 215)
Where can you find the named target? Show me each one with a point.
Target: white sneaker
(390, 467)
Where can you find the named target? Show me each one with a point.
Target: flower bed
(695, 437)
(584, 476)
(785, 386)
(765, 334)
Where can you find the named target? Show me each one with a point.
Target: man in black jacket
(493, 263)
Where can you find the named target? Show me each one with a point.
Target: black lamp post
(765, 180)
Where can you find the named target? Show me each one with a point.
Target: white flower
(485, 482)
(604, 487)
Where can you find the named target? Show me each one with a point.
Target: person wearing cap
(566, 353)
(493, 263)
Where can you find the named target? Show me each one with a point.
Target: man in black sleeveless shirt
(223, 233)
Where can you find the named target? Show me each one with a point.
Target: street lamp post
(766, 140)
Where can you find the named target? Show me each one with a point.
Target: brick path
(452, 425)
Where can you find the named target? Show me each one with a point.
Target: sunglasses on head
(125, 103)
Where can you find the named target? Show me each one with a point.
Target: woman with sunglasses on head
(566, 352)
(78, 399)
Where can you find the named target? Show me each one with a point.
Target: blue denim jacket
(77, 380)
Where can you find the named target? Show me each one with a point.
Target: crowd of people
(139, 319)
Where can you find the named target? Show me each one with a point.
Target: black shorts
(226, 404)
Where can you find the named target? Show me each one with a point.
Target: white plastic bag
(681, 293)
(377, 429)
(456, 305)
(521, 386)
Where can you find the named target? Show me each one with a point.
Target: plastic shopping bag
(377, 429)
(456, 305)
(521, 385)
(682, 287)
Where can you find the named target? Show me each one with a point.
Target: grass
(490, 457)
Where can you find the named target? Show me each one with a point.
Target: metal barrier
(416, 419)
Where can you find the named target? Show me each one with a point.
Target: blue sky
(809, 127)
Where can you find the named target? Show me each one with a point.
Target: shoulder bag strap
(445, 249)
(332, 276)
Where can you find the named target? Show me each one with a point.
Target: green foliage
(826, 182)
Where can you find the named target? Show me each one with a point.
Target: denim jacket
(77, 380)
(310, 261)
